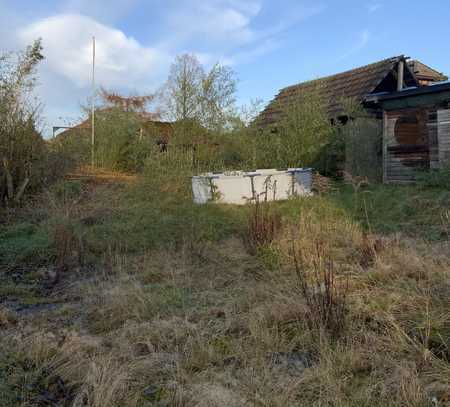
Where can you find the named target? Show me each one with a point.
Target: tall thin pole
(93, 105)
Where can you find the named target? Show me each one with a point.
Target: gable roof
(424, 72)
(356, 83)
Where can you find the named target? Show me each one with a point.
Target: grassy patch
(390, 209)
(115, 302)
(22, 242)
(384, 209)
(143, 222)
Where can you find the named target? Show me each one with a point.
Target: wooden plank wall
(443, 119)
(432, 129)
(405, 146)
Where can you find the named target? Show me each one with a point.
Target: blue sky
(269, 44)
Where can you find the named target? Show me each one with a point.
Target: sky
(269, 44)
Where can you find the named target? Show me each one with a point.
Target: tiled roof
(356, 84)
(423, 71)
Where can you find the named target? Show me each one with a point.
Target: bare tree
(182, 91)
(192, 93)
(218, 97)
(125, 103)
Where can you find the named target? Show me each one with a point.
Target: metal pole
(93, 104)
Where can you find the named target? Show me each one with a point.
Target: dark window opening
(343, 120)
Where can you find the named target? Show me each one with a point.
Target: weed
(68, 248)
(325, 298)
(370, 248)
(322, 185)
(263, 225)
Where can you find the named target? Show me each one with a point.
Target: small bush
(262, 226)
(325, 298)
(303, 131)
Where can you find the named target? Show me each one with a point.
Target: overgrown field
(119, 291)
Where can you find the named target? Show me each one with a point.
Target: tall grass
(263, 226)
(324, 295)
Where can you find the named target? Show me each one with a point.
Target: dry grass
(208, 324)
(263, 226)
(99, 176)
(324, 296)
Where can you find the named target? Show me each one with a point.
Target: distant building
(151, 125)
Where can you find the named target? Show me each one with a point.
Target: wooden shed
(406, 98)
(416, 130)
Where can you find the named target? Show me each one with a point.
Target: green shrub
(119, 141)
(302, 132)
(436, 178)
(362, 138)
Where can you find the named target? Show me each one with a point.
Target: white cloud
(247, 56)
(214, 21)
(229, 30)
(361, 42)
(233, 23)
(121, 61)
(372, 8)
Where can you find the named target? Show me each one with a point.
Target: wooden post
(400, 76)
(384, 158)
